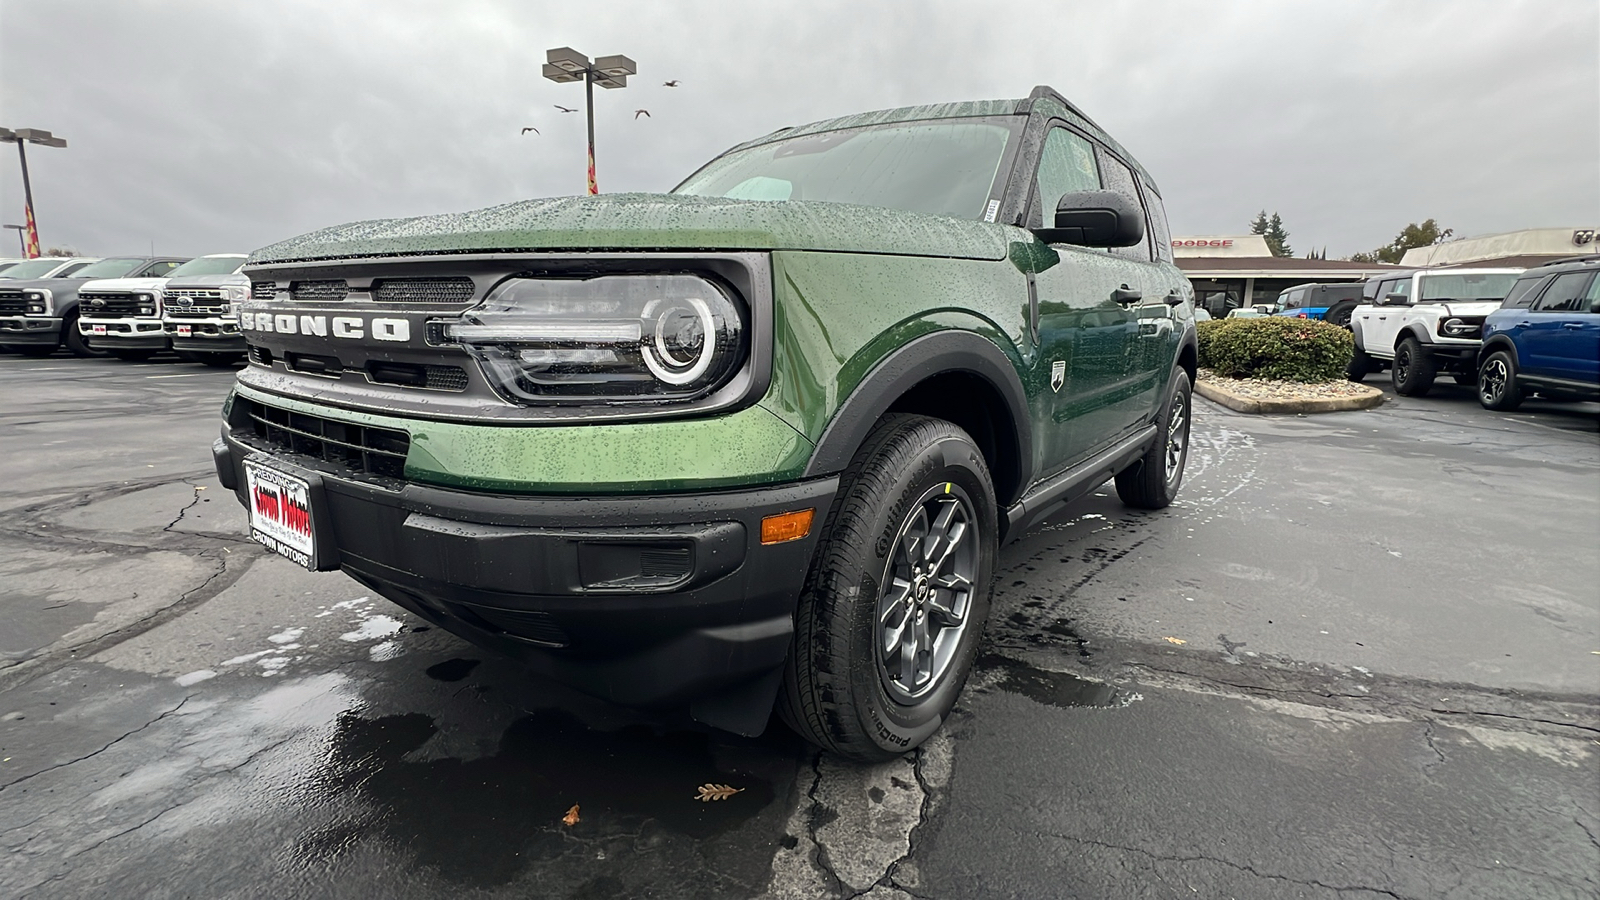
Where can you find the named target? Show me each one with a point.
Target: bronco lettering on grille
(346, 327)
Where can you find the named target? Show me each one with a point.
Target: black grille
(524, 625)
(359, 448)
(261, 356)
(11, 303)
(115, 305)
(263, 290)
(435, 378)
(447, 378)
(423, 290)
(335, 289)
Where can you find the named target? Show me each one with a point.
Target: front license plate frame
(96, 329)
(288, 514)
(185, 330)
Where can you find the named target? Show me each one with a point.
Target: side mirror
(1395, 299)
(1095, 219)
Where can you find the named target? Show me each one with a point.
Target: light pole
(564, 64)
(22, 137)
(20, 239)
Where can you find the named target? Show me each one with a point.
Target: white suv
(1425, 321)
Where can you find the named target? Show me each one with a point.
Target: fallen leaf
(571, 818)
(1172, 640)
(710, 792)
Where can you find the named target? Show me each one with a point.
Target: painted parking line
(184, 375)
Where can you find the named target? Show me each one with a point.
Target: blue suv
(1545, 337)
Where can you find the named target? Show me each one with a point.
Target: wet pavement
(1359, 658)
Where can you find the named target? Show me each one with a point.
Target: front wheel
(1360, 366)
(894, 605)
(1339, 314)
(1152, 481)
(1497, 383)
(73, 339)
(1414, 369)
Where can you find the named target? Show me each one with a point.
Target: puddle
(483, 821)
(452, 669)
(1057, 689)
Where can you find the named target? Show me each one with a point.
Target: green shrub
(1275, 347)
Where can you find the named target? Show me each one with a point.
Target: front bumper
(205, 335)
(124, 334)
(30, 330)
(650, 599)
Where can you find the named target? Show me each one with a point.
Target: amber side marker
(789, 526)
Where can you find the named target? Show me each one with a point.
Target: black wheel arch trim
(1498, 342)
(939, 353)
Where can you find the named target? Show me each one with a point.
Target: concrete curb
(1241, 403)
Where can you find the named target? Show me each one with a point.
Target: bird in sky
(564, 109)
(641, 112)
(530, 128)
(672, 83)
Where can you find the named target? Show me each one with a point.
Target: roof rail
(1046, 92)
(1570, 259)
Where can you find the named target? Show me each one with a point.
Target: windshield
(34, 268)
(110, 268)
(1466, 286)
(944, 167)
(209, 265)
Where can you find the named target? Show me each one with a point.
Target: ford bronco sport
(754, 441)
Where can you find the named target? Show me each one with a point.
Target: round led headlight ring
(662, 360)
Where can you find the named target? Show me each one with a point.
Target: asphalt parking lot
(1360, 657)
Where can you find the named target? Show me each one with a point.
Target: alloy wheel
(923, 611)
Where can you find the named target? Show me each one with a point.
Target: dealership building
(1229, 271)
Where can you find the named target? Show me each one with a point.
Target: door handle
(1125, 295)
(1574, 326)
(1520, 325)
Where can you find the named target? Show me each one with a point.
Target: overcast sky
(201, 126)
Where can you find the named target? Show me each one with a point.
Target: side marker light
(789, 526)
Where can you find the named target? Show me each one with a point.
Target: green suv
(753, 442)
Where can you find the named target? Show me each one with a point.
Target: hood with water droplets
(651, 222)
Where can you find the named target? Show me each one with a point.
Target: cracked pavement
(1357, 659)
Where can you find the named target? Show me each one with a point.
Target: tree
(1272, 230)
(1410, 237)
(61, 251)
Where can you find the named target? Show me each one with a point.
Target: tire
(1152, 481)
(132, 355)
(188, 355)
(1339, 314)
(220, 360)
(74, 341)
(1361, 365)
(841, 689)
(1497, 382)
(1414, 369)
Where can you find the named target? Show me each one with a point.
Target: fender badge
(1058, 374)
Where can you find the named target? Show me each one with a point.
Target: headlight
(1459, 327)
(39, 302)
(639, 337)
(146, 304)
(234, 294)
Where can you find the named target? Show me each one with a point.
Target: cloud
(202, 127)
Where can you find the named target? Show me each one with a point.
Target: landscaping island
(1279, 365)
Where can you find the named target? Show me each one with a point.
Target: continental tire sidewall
(893, 726)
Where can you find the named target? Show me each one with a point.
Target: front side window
(942, 167)
(1522, 293)
(69, 270)
(1118, 177)
(159, 269)
(1463, 286)
(1593, 295)
(1566, 294)
(1066, 165)
(1401, 287)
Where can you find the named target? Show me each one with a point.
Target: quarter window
(1160, 235)
(1566, 294)
(1065, 165)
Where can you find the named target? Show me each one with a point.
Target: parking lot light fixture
(22, 137)
(21, 241)
(564, 65)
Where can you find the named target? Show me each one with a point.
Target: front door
(1561, 335)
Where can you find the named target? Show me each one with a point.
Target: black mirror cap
(1095, 219)
(1395, 299)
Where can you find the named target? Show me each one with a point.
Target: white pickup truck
(1423, 322)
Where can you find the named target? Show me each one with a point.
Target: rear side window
(1160, 234)
(1118, 177)
(1522, 293)
(1292, 299)
(1594, 295)
(1566, 294)
(1065, 165)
